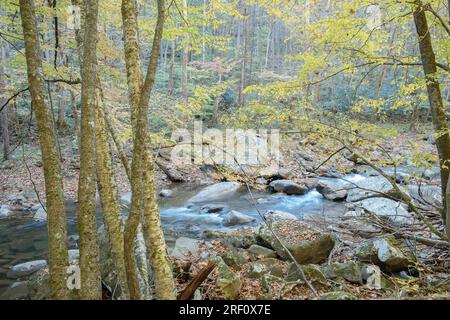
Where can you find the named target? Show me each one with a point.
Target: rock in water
(166, 193)
(233, 218)
(40, 215)
(368, 187)
(4, 211)
(387, 253)
(332, 191)
(218, 191)
(307, 244)
(289, 187)
(26, 268)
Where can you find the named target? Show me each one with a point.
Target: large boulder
(332, 191)
(387, 253)
(265, 266)
(289, 187)
(368, 187)
(306, 244)
(350, 271)
(227, 281)
(394, 211)
(234, 217)
(260, 251)
(215, 192)
(26, 268)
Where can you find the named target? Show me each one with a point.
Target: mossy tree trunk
(56, 213)
(143, 201)
(437, 108)
(87, 226)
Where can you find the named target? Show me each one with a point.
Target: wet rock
(307, 244)
(227, 281)
(185, 248)
(218, 191)
(289, 187)
(276, 173)
(311, 183)
(265, 266)
(338, 295)
(26, 268)
(166, 193)
(126, 198)
(387, 253)
(4, 211)
(212, 208)
(350, 271)
(332, 191)
(261, 251)
(17, 291)
(233, 218)
(40, 215)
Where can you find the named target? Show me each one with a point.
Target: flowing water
(23, 239)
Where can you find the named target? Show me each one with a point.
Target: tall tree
(143, 200)
(56, 213)
(87, 226)
(4, 113)
(437, 108)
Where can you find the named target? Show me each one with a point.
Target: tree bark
(184, 70)
(143, 200)
(437, 108)
(5, 111)
(87, 226)
(56, 213)
(107, 188)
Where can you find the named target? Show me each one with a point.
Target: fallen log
(188, 292)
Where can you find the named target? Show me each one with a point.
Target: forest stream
(24, 239)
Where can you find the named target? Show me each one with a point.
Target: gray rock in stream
(368, 187)
(234, 217)
(215, 192)
(289, 187)
(4, 211)
(26, 268)
(332, 191)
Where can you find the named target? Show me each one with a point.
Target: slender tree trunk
(184, 70)
(107, 188)
(56, 213)
(437, 107)
(87, 226)
(4, 113)
(172, 64)
(143, 198)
